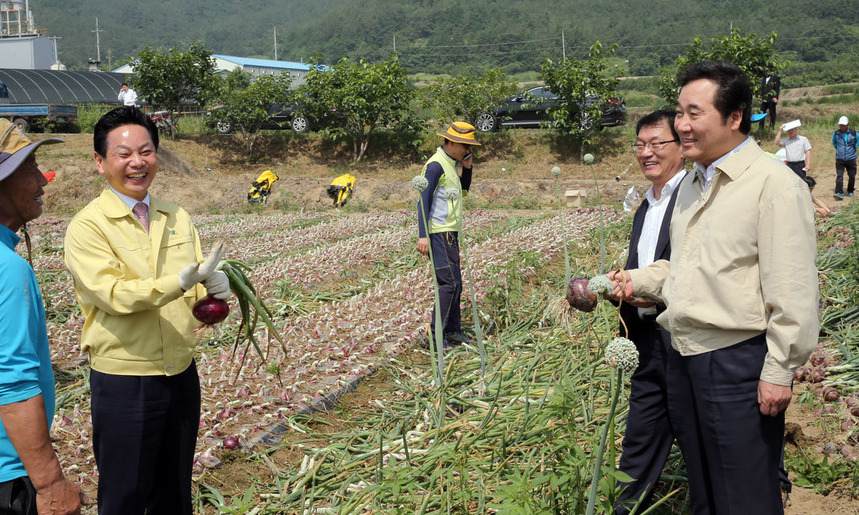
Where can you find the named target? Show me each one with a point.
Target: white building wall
(36, 53)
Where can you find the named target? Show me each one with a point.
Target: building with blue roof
(255, 67)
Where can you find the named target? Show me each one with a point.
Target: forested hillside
(821, 38)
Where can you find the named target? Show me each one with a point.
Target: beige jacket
(742, 263)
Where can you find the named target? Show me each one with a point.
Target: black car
(279, 117)
(531, 109)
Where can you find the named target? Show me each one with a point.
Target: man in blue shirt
(31, 479)
(844, 141)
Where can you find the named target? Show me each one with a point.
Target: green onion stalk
(621, 354)
(420, 183)
(588, 160)
(556, 173)
(246, 295)
(475, 311)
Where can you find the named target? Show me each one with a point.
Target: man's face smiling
(704, 134)
(658, 165)
(131, 162)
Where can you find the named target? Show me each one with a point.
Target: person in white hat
(844, 141)
(797, 148)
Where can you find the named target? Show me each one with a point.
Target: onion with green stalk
(622, 355)
(211, 310)
(420, 183)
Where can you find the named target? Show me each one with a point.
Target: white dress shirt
(128, 97)
(705, 175)
(130, 202)
(653, 217)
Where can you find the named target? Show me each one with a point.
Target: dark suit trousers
(648, 437)
(732, 451)
(144, 434)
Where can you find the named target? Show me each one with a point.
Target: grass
(522, 444)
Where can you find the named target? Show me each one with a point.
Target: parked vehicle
(531, 109)
(164, 122)
(280, 117)
(40, 116)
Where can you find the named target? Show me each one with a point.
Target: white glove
(217, 285)
(198, 272)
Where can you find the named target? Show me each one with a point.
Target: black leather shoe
(458, 338)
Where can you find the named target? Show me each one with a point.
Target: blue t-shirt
(25, 359)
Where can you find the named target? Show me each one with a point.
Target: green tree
(243, 106)
(171, 78)
(469, 96)
(583, 87)
(755, 55)
(356, 98)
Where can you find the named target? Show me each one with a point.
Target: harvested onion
(211, 310)
(580, 296)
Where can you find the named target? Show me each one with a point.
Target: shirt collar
(8, 237)
(130, 202)
(446, 156)
(667, 189)
(706, 174)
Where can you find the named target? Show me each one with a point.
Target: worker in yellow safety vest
(442, 205)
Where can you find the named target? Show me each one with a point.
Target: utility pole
(275, 42)
(563, 46)
(97, 42)
(395, 43)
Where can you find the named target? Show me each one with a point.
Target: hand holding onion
(232, 276)
(582, 293)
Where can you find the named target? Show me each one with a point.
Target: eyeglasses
(655, 146)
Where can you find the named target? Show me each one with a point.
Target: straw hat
(15, 147)
(460, 132)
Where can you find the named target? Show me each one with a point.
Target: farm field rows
(512, 434)
(332, 342)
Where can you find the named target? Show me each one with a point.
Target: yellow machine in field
(341, 189)
(261, 187)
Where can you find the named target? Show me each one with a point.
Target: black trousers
(797, 167)
(840, 168)
(649, 430)
(732, 451)
(649, 435)
(770, 108)
(144, 434)
(445, 255)
(17, 497)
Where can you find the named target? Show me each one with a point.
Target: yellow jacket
(138, 320)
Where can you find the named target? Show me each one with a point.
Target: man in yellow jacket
(136, 266)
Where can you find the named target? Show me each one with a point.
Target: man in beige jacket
(741, 294)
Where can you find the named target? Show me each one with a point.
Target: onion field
(509, 424)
